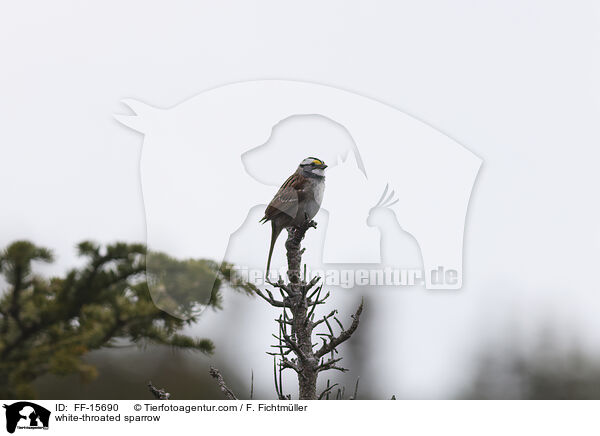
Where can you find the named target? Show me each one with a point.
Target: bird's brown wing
(287, 198)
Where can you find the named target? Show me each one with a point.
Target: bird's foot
(308, 223)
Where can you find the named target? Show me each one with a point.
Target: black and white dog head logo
(26, 415)
(207, 170)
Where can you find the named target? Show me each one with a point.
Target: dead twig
(159, 394)
(216, 374)
(343, 336)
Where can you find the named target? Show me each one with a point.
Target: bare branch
(301, 319)
(329, 315)
(344, 335)
(330, 364)
(339, 368)
(317, 301)
(216, 374)
(327, 391)
(278, 284)
(292, 344)
(286, 363)
(284, 321)
(272, 301)
(159, 394)
(281, 347)
(310, 284)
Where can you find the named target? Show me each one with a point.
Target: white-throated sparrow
(298, 200)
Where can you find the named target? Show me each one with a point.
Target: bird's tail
(274, 235)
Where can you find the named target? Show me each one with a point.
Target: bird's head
(313, 167)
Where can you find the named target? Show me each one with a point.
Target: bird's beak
(323, 166)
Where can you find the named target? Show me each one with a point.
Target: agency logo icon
(208, 168)
(25, 415)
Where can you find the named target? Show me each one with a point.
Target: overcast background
(516, 82)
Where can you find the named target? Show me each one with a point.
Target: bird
(297, 201)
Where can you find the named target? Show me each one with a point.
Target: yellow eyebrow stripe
(317, 162)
